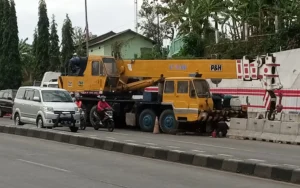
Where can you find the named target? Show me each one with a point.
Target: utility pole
(136, 15)
(87, 30)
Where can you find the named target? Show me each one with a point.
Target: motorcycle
(105, 122)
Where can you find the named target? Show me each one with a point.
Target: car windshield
(202, 88)
(56, 96)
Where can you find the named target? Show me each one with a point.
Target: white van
(45, 107)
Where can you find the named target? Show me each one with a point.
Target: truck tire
(168, 122)
(147, 120)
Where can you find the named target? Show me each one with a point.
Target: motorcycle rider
(101, 106)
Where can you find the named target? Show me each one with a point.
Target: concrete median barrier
(268, 171)
(186, 158)
(288, 132)
(246, 167)
(108, 145)
(215, 162)
(296, 176)
(282, 173)
(5, 130)
(90, 142)
(231, 165)
(138, 150)
(12, 130)
(150, 152)
(254, 128)
(99, 143)
(263, 170)
(237, 128)
(173, 155)
(201, 159)
(118, 147)
(271, 131)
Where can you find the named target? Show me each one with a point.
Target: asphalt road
(32, 163)
(264, 152)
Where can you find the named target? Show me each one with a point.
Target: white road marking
(154, 147)
(129, 141)
(198, 151)
(257, 160)
(172, 147)
(43, 165)
(178, 151)
(133, 144)
(152, 144)
(225, 155)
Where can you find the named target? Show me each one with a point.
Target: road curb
(268, 171)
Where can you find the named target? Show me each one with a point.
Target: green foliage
(43, 42)
(79, 39)
(27, 60)
(286, 39)
(11, 74)
(67, 40)
(54, 48)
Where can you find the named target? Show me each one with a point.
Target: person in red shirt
(101, 106)
(78, 103)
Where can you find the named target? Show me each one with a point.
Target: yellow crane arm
(209, 68)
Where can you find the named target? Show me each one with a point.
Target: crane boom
(209, 68)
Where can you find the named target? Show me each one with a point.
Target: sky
(103, 15)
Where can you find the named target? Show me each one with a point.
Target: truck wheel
(1, 113)
(147, 120)
(168, 122)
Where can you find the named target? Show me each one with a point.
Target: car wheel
(40, 122)
(17, 119)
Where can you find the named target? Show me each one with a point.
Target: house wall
(132, 46)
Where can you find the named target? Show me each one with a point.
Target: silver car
(45, 107)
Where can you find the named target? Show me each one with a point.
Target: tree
(54, 47)
(67, 40)
(43, 41)
(4, 46)
(79, 39)
(10, 60)
(27, 60)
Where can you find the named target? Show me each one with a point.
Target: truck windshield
(110, 65)
(202, 88)
(56, 96)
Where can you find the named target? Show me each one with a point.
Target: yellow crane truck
(183, 100)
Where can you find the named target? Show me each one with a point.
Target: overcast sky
(103, 15)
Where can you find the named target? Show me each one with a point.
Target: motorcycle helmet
(102, 98)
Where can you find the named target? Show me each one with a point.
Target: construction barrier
(286, 130)
(237, 127)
